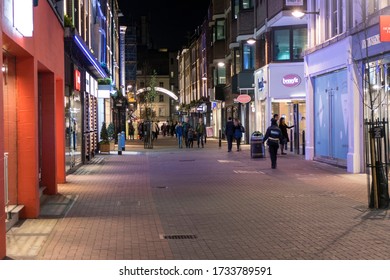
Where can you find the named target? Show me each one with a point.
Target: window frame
(291, 30)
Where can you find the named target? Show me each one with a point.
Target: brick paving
(231, 207)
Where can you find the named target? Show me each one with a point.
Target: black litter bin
(257, 145)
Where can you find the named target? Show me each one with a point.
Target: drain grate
(161, 187)
(184, 160)
(178, 236)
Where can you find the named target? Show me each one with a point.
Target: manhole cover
(178, 236)
(161, 187)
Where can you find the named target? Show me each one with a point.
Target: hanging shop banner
(243, 98)
(77, 80)
(384, 23)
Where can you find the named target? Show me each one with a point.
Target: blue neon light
(100, 11)
(90, 58)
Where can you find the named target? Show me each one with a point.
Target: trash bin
(257, 145)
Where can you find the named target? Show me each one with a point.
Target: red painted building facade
(31, 106)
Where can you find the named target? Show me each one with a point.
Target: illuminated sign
(243, 98)
(77, 80)
(291, 80)
(384, 27)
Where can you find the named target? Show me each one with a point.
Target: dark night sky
(171, 20)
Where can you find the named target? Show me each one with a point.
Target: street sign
(377, 132)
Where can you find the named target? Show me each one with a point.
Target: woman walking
(283, 127)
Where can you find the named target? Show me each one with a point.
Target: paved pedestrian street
(204, 204)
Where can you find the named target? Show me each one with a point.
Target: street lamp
(251, 41)
(300, 14)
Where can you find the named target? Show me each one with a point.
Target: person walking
(273, 136)
(179, 134)
(131, 131)
(283, 127)
(229, 132)
(238, 130)
(186, 127)
(200, 131)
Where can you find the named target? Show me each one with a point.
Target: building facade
(281, 40)
(32, 110)
(347, 34)
(92, 56)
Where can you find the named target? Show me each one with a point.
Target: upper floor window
(248, 55)
(161, 84)
(220, 75)
(376, 5)
(288, 44)
(220, 29)
(161, 98)
(246, 4)
(236, 8)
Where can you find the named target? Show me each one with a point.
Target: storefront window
(331, 115)
(377, 78)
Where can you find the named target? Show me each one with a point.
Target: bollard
(123, 141)
(220, 138)
(119, 144)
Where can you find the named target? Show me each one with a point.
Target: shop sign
(291, 80)
(77, 80)
(384, 23)
(243, 98)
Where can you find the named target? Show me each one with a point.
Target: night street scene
(230, 133)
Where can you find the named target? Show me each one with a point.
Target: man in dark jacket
(229, 132)
(273, 136)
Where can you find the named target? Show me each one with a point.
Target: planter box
(112, 145)
(104, 148)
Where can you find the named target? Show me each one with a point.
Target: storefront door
(331, 116)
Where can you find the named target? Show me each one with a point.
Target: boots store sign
(291, 80)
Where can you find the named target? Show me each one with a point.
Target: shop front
(280, 90)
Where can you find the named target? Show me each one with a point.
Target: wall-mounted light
(204, 77)
(251, 41)
(221, 64)
(300, 14)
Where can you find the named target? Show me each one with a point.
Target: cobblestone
(238, 208)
